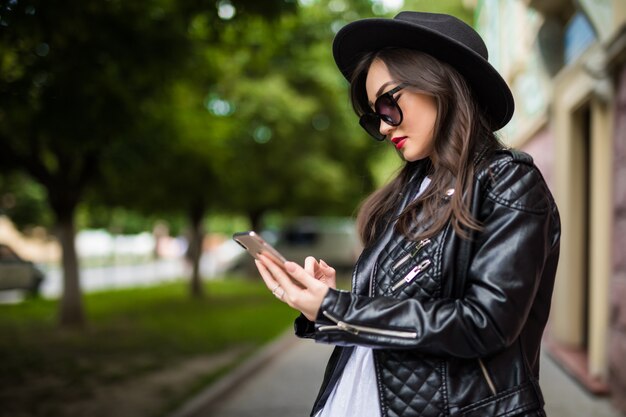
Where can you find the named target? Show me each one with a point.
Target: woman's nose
(385, 128)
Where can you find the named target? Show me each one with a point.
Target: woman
(451, 294)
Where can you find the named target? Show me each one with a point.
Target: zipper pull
(415, 271)
(420, 245)
(412, 274)
(347, 328)
(340, 325)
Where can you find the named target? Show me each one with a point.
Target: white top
(356, 393)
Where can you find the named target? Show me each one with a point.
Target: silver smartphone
(256, 245)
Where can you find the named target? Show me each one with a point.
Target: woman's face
(414, 137)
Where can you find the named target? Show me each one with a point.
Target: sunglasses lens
(388, 110)
(385, 109)
(371, 123)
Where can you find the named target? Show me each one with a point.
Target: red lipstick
(399, 141)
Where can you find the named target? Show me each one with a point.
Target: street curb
(201, 402)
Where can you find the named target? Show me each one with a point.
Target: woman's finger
(300, 275)
(313, 267)
(310, 265)
(326, 268)
(279, 275)
(270, 282)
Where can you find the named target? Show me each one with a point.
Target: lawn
(130, 333)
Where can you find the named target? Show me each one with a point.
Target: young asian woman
(452, 291)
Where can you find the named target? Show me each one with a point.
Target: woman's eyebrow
(383, 87)
(380, 91)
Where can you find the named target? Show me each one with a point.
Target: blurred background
(136, 137)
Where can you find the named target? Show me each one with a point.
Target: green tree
(176, 173)
(245, 131)
(298, 150)
(75, 78)
(187, 160)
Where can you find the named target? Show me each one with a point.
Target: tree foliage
(24, 201)
(249, 128)
(296, 130)
(76, 80)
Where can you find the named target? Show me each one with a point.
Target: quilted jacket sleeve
(517, 248)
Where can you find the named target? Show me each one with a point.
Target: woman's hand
(294, 285)
(321, 271)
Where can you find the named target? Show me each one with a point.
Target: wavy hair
(461, 135)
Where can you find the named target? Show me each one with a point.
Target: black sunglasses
(386, 109)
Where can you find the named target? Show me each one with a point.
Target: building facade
(565, 61)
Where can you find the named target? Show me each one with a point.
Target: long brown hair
(461, 134)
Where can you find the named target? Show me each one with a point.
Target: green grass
(129, 332)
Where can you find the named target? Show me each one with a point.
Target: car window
(300, 237)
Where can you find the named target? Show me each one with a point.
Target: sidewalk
(564, 397)
(285, 385)
(288, 383)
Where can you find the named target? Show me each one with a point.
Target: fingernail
(290, 266)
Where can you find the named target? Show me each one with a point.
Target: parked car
(17, 273)
(332, 239)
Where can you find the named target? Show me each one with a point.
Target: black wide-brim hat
(442, 36)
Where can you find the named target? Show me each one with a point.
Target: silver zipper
(356, 329)
(492, 387)
(411, 254)
(412, 274)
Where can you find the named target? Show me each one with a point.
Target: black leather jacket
(438, 350)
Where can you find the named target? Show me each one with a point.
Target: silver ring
(276, 289)
(282, 294)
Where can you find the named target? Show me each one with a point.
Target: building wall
(572, 120)
(509, 29)
(541, 148)
(617, 344)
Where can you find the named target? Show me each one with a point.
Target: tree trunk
(255, 218)
(71, 313)
(195, 249)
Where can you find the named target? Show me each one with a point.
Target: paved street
(288, 384)
(286, 387)
(564, 397)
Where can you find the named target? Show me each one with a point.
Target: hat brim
(362, 36)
